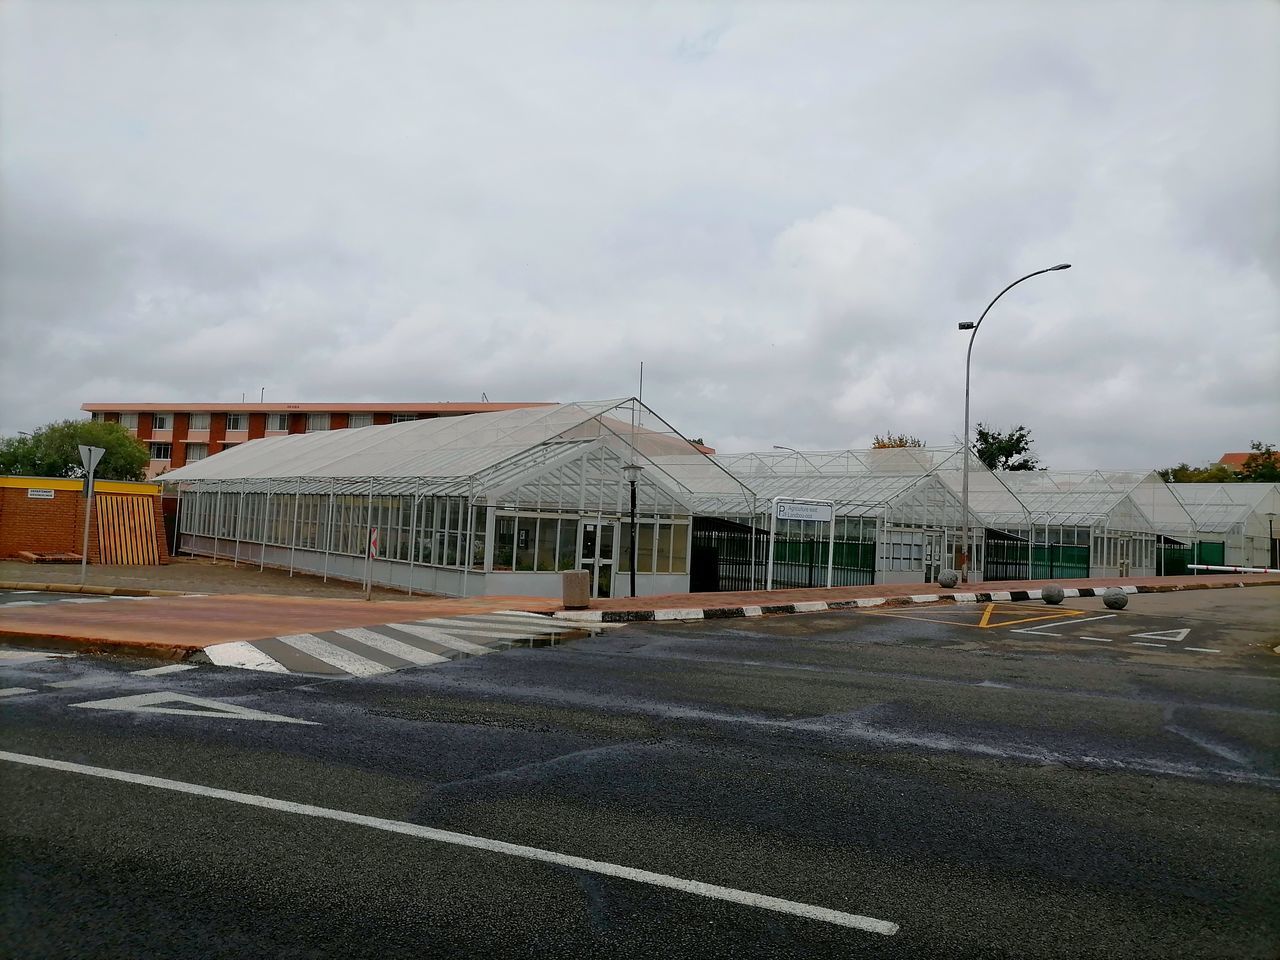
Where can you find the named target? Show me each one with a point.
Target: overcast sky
(782, 208)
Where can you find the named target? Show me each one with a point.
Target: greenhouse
(485, 504)
(1083, 523)
(897, 519)
(1234, 524)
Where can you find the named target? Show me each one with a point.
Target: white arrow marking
(1174, 635)
(196, 707)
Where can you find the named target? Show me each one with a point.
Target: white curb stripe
(690, 614)
(695, 887)
(242, 654)
(586, 616)
(810, 606)
(925, 598)
(871, 602)
(397, 648)
(752, 612)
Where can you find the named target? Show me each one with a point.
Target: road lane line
(14, 691)
(1202, 649)
(695, 887)
(1099, 639)
(1143, 643)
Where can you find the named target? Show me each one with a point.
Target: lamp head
(967, 325)
(632, 472)
(1061, 266)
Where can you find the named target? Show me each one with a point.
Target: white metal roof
(466, 454)
(1227, 507)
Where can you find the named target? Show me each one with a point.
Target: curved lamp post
(969, 325)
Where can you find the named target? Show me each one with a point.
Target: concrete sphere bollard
(948, 578)
(1115, 599)
(1052, 594)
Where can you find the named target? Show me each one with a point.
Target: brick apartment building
(177, 434)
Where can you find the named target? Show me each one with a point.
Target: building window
(403, 417)
(198, 421)
(317, 421)
(97, 416)
(235, 421)
(129, 421)
(197, 451)
(162, 451)
(360, 420)
(161, 421)
(277, 421)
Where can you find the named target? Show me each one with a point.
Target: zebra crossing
(385, 648)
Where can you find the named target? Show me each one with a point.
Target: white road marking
(442, 638)
(14, 593)
(535, 625)
(14, 691)
(485, 629)
(1175, 635)
(334, 655)
(1202, 649)
(160, 671)
(397, 648)
(1143, 643)
(150, 703)
(19, 657)
(85, 600)
(78, 682)
(695, 887)
(242, 654)
(27, 603)
(1099, 639)
(1045, 631)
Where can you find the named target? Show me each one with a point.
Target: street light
(632, 472)
(969, 325)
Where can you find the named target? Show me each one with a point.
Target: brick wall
(55, 526)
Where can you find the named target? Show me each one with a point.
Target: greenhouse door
(596, 555)
(933, 555)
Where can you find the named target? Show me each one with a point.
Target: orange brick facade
(55, 525)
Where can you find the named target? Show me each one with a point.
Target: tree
(1262, 465)
(1009, 450)
(890, 440)
(53, 451)
(1185, 473)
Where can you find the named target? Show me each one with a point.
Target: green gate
(723, 554)
(1005, 558)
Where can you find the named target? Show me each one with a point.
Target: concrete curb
(91, 589)
(817, 606)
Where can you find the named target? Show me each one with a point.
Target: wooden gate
(126, 529)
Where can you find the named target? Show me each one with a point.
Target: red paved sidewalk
(178, 626)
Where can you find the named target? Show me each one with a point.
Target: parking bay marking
(695, 887)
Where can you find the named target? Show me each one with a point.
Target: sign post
(89, 456)
(806, 511)
(368, 563)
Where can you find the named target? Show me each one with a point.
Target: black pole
(633, 538)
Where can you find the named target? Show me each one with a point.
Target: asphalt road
(1001, 787)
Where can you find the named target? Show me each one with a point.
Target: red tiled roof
(280, 407)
